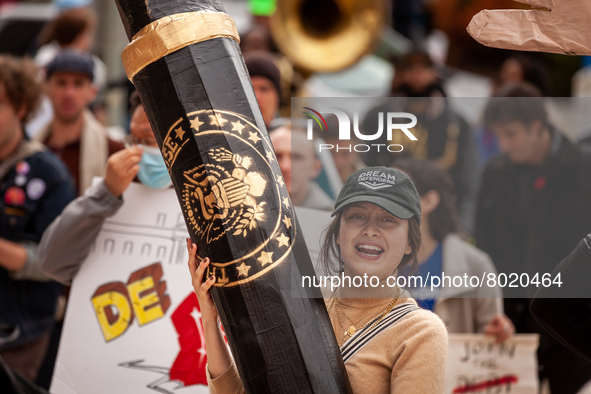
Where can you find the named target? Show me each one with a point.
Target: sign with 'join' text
(476, 364)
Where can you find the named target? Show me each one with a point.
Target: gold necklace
(352, 328)
(388, 310)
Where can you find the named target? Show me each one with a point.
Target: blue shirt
(432, 267)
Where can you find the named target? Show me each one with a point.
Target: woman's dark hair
(331, 259)
(67, 26)
(413, 58)
(426, 176)
(534, 71)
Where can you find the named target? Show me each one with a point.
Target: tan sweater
(408, 357)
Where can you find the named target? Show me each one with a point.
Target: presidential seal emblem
(235, 200)
(217, 201)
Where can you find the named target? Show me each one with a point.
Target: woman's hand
(218, 355)
(208, 311)
(501, 327)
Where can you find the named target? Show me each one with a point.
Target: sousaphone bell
(327, 35)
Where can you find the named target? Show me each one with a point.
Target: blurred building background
(467, 68)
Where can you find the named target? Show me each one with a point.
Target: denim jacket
(32, 194)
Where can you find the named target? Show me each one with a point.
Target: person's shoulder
(422, 329)
(474, 256)
(114, 145)
(497, 163)
(317, 198)
(585, 155)
(422, 323)
(45, 164)
(96, 127)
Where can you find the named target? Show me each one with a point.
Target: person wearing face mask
(153, 171)
(152, 168)
(67, 241)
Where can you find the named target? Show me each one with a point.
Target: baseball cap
(71, 61)
(386, 187)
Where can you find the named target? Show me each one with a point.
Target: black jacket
(569, 319)
(34, 192)
(531, 237)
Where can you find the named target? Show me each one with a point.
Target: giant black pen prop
(186, 64)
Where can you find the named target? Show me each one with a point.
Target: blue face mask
(153, 171)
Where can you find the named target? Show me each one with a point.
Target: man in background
(266, 82)
(532, 211)
(68, 240)
(300, 167)
(74, 134)
(442, 134)
(346, 159)
(34, 187)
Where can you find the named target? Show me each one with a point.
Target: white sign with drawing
(133, 322)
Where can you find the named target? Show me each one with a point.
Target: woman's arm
(218, 356)
(222, 375)
(421, 366)
(68, 239)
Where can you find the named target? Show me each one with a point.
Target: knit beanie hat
(261, 64)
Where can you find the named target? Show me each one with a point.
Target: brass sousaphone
(327, 35)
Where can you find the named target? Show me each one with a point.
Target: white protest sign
(133, 323)
(476, 364)
(313, 223)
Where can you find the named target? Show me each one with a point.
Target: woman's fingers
(206, 285)
(192, 252)
(197, 267)
(199, 273)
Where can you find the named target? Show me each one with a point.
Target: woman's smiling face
(372, 240)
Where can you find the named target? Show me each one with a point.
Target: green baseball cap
(388, 188)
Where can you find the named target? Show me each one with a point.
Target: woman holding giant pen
(389, 345)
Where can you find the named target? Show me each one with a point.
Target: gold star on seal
(254, 137)
(287, 222)
(179, 132)
(195, 123)
(270, 155)
(237, 126)
(243, 269)
(286, 202)
(280, 180)
(217, 119)
(283, 240)
(266, 258)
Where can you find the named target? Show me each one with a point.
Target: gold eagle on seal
(219, 200)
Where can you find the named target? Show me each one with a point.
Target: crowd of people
(510, 194)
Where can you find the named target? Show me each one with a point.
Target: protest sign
(133, 323)
(476, 364)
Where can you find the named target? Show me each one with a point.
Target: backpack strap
(363, 336)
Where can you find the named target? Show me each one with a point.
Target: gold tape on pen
(171, 33)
